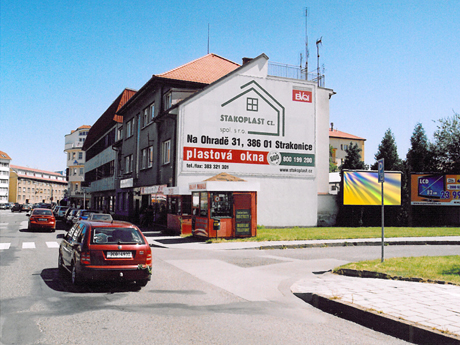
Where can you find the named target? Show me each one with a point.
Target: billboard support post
(381, 172)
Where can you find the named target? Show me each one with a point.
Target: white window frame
(152, 111)
(145, 117)
(128, 164)
(150, 156)
(166, 151)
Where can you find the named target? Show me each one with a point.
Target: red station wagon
(42, 218)
(101, 251)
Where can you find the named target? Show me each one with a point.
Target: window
(73, 155)
(166, 152)
(119, 133)
(152, 111)
(129, 128)
(252, 104)
(80, 155)
(150, 159)
(168, 100)
(128, 164)
(81, 172)
(144, 159)
(145, 117)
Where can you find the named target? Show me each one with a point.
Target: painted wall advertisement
(435, 189)
(262, 127)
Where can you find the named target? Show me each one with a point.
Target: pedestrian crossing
(29, 245)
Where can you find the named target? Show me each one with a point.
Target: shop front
(225, 209)
(179, 217)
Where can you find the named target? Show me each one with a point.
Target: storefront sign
(126, 183)
(153, 189)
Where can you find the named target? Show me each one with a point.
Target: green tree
(389, 152)
(353, 158)
(418, 157)
(332, 164)
(446, 145)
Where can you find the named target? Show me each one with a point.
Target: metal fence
(294, 72)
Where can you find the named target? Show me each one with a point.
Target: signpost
(381, 173)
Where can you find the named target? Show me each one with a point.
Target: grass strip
(333, 233)
(442, 268)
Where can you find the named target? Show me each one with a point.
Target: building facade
(101, 156)
(247, 122)
(340, 142)
(75, 172)
(147, 140)
(4, 177)
(33, 186)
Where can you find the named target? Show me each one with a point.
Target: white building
(76, 163)
(262, 128)
(4, 177)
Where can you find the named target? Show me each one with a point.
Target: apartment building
(4, 177)
(33, 186)
(75, 172)
(340, 142)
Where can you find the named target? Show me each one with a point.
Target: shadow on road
(60, 281)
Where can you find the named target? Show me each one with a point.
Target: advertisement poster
(362, 188)
(435, 189)
(262, 127)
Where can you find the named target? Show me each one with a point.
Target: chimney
(332, 126)
(246, 60)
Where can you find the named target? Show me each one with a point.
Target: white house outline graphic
(270, 100)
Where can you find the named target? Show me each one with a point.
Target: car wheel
(61, 264)
(75, 276)
(142, 282)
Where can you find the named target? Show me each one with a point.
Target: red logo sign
(302, 96)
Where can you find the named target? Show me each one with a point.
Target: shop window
(221, 205)
(204, 204)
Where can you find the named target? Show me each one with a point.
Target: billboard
(362, 188)
(435, 189)
(251, 126)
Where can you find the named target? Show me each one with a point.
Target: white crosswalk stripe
(29, 245)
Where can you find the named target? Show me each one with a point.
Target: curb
(387, 324)
(379, 275)
(357, 244)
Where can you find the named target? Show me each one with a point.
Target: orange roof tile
(342, 135)
(206, 69)
(36, 170)
(4, 155)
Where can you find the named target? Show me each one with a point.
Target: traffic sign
(381, 166)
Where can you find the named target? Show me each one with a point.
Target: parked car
(106, 217)
(3, 206)
(70, 216)
(26, 207)
(59, 211)
(101, 251)
(16, 207)
(80, 215)
(41, 218)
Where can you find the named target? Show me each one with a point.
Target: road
(195, 296)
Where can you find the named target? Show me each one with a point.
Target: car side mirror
(28, 214)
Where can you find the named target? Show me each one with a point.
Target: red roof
(108, 118)
(334, 133)
(4, 155)
(206, 69)
(36, 170)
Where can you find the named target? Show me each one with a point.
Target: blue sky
(392, 63)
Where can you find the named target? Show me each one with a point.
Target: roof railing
(294, 72)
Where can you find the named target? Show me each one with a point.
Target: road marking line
(28, 245)
(52, 244)
(5, 245)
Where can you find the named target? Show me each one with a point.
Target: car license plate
(119, 255)
(42, 219)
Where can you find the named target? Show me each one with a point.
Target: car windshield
(43, 213)
(116, 236)
(101, 217)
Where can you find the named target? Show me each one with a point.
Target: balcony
(294, 72)
(77, 145)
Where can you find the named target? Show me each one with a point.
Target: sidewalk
(422, 313)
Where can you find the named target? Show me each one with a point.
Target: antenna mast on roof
(307, 53)
(208, 38)
(318, 42)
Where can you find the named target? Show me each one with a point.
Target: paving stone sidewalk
(434, 306)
